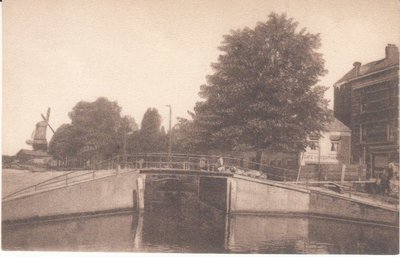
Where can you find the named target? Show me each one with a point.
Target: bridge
(147, 182)
(205, 165)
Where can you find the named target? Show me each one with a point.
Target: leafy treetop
(263, 91)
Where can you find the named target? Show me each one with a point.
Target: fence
(206, 163)
(198, 162)
(64, 180)
(120, 164)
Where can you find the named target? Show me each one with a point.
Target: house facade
(332, 147)
(366, 99)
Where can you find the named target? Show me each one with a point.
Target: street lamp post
(125, 154)
(170, 133)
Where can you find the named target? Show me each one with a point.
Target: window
(292, 162)
(363, 104)
(314, 145)
(391, 133)
(374, 99)
(374, 132)
(334, 146)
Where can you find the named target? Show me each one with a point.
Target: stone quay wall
(252, 195)
(103, 194)
(243, 195)
(249, 195)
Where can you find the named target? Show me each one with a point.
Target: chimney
(357, 66)
(391, 52)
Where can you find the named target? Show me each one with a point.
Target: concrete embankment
(240, 194)
(253, 195)
(338, 206)
(103, 194)
(249, 195)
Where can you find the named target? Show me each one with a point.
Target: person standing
(202, 163)
(220, 163)
(394, 178)
(385, 188)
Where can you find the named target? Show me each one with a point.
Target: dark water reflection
(201, 231)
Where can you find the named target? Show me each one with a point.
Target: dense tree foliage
(97, 131)
(187, 138)
(263, 92)
(129, 124)
(98, 126)
(151, 122)
(151, 137)
(64, 143)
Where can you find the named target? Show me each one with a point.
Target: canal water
(203, 231)
(187, 214)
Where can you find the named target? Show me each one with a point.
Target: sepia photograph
(200, 127)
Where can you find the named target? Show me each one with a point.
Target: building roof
(336, 125)
(370, 67)
(33, 153)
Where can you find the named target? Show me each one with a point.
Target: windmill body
(38, 139)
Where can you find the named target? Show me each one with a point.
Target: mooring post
(134, 200)
(140, 191)
(351, 189)
(343, 174)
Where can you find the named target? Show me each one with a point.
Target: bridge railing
(64, 180)
(199, 162)
(119, 164)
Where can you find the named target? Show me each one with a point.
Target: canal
(205, 230)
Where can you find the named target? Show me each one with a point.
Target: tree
(97, 125)
(151, 122)
(64, 142)
(125, 135)
(187, 138)
(97, 131)
(129, 124)
(263, 91)
(151, 138)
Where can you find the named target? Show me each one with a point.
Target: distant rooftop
(33, 153)
(391, 59)
(336, 125)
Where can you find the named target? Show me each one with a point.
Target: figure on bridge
(203, 163)
(220, 164)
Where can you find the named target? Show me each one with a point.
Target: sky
(151, 53)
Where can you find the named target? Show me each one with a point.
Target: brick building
(366, 99)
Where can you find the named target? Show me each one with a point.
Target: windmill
(46, 119)
(38, 139)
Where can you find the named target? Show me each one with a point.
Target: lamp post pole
(125, 158)
(170, 133)
(125, 153)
